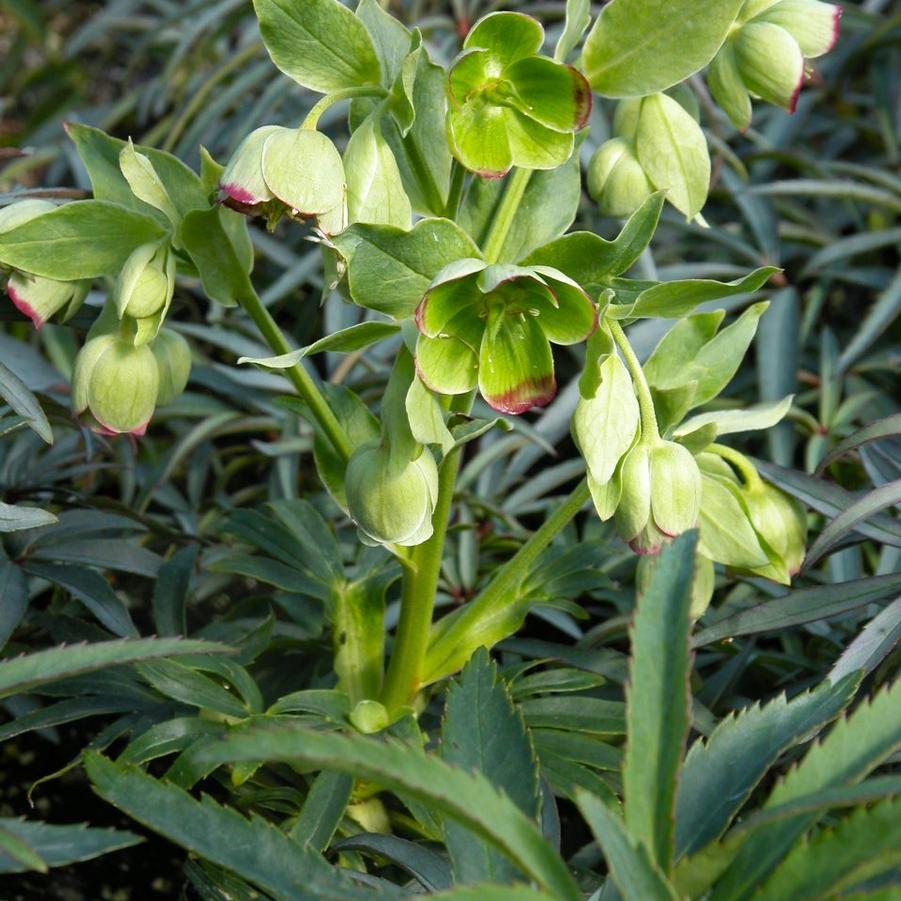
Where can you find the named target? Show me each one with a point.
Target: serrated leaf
(720, 773)
(861, 846)
(658, 700)
(483, 731)
(28, 672)
(55, 846)
(852, 748)
(254, 849)
(630, 866)
(467, 797)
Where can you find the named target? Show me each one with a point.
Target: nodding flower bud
(391, 499)
(616, 180)
(781, 525)
(765, 55)
(173, 359)
(278, 170)
(661, 495)
(34, 296)
(146, 283)
(117, 383)
(40, 298)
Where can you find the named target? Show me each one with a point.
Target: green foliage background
(173, 535)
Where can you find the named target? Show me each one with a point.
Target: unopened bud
(117, 383)
(146, 283)
(392, 500)
(781, 524)
(616, 181)
(39, 298)
(173, 359)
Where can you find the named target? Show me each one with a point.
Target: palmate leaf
(28, 672)
(866, 843)
(658, 700)
(720, 773)
(483, 731)
(30, 845)
(631, 868)
(853, 748)
(254, 849)
(467, 797)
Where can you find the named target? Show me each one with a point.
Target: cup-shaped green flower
(492, 326)
(35, 296)
(764, 56)
(660, 496)
(117, 383)
(278, 170)
(509, 106)
(391, 497)
(173, 359)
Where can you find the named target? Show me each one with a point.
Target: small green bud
(616, 180)
(661, 495)
(369, 717)
(117, 383)
(781, 524)
(173, 359)
(391, 499)
(146, 283)
(770, 62)
(40, 298)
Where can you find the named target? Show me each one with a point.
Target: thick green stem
(516, 186)
(300, 378)
(645, 401)
(455, 194)
(455, 644)
(405, 670)
(312, 118)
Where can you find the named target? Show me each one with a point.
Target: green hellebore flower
(616, 181)
(117, 383)
(278, 170)
(173, 359)
(660, 494)
(492, 326)
(34, 296)
(764, 57)
(391, 498)
(508, 106)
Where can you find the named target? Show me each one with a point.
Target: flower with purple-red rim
(277, 171)
(764, 56)
(492, 326)
(35, 296)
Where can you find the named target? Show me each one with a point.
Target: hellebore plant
(444, 215)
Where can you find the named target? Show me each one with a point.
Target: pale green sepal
(770, 62)
(728, 88)
(173, 359)
(675, 488)
(303, 169)
(616, 180)
(813, 24)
